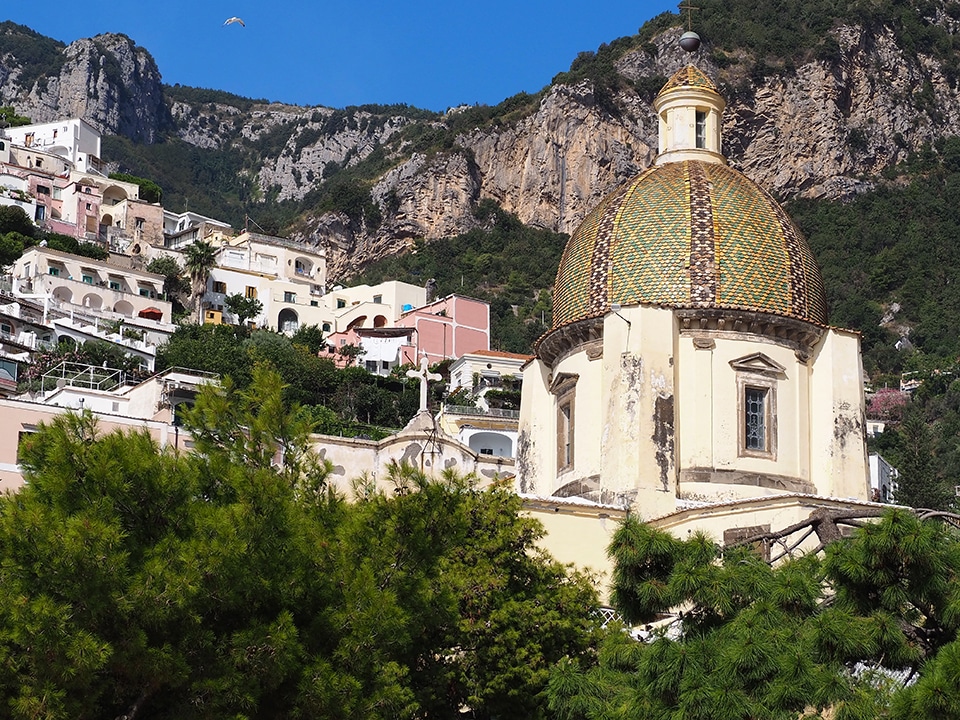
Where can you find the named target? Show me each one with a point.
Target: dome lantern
(689, 112)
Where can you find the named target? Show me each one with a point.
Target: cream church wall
(839, 452)
(710, 412)
(638, 435)
(578, 534)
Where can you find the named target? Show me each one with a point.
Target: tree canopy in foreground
(142, 583)
(867, 630)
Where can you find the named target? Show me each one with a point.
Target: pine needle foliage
(232, 581)
(868, 630)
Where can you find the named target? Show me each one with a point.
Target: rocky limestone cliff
(107, 80)
(824, 128)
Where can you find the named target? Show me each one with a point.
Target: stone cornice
(697, 323)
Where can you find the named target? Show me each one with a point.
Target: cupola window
(701, 129)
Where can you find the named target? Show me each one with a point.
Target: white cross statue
(425, 376)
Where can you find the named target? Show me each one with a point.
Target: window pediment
(759, 364)
(563, 382)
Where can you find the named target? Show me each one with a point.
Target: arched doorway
(63, 294)
(92, 301)
(124, 308)
(287, 321)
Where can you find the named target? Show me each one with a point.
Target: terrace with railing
(480, 412)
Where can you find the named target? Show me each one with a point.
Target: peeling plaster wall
(710, 408)
(536, 452)
(659, 416)
(838, 446)
(587, 422)
(638, 448)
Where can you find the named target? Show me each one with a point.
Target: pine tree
(917, 484)
(730, 637)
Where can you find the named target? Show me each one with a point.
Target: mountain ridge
(364, 183)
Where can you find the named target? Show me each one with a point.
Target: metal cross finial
(689, 9)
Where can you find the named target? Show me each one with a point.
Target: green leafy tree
(310, 337)
(243, 307)
(149, 191)
(9, 117)
(729, 636)
(67, 244)
(175, 288)
(231, 581)
(211, 348)
(12, 246)
(14, 219)
(474, 612)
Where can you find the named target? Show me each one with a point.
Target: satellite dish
(690, 41)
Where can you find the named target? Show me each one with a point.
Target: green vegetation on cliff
(508, 264)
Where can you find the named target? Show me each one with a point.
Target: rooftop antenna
(246, 224)
(689, 41)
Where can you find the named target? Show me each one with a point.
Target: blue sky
(426, 53)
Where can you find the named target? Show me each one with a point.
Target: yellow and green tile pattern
(689, 234)
(688, 77)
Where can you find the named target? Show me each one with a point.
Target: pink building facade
(444, 329)
(447, 328)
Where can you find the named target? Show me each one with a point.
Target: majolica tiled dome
(689, 234)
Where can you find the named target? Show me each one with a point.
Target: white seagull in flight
(235, 20)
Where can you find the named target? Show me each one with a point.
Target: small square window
(114, 285)
(378, 299)
(289, 297)
(219, 287)
(88, 279)
(55, 271)
(250, 292)
(341, 303)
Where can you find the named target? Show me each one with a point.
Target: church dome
(689, 234)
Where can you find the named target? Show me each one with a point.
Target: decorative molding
(759, 364)
(798, 335)
(566, 339)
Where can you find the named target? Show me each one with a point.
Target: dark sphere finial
(690, 41)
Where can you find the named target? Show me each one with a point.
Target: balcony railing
(480, 412)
